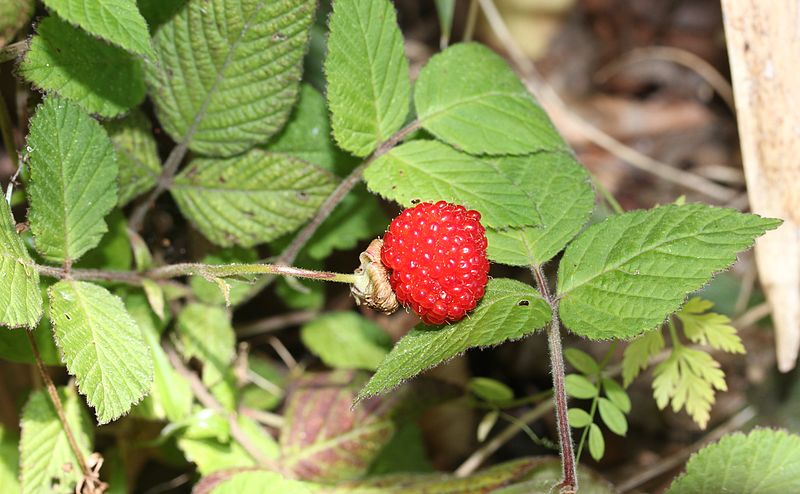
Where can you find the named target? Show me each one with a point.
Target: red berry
(436, 254)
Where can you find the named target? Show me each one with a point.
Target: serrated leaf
(597, 445)
(14, 14)
(367, 73)
(510, 310)
(488, 111)
(346, 340)
(116, 21)
(20, 298)
(638, 354)
(227, 72)
(307, 134)
(490, 390)
(261, 481)
(764, 461)
(9, 461)
(47, 463)
(617, 395)
(101, 78)
(624, 276)
(432, 171)
(113, 253)
(102, 347)
(613, 417)
(137, 155)
(578, 418)
(252, 198)
(562, 193)
(582, 361)
(709, 328)
(687, 379)
(157, 12)
(580, 387)
(206, 333)
(72, 186)
(323, 437)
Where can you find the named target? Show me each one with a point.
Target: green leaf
(15, 347)
(47, 463)
(265, 391)
(102, 347)
(209, 292)
(470, 98)
(613, 417)
(617, 395)
(432, 171)
(206, 333)
(116, 21)
(580, 387)
(624, 276)
(764, 461)
(20, 299)
(137, 155)
(638, 354)
(114, 250)
(346, 340)
(307, 134)
(582, 361)
(562, 193)
(490, 390)
(405, 452)
(9, 461)
(510, 310)
(597, 445)
(157, 12)
(709, 328)
(252, 198)
(73, 173)
(101, 78)
(578, 418)
(367, 71)
(261, 481)
(227, 72)
(14, 14)
(687, 379)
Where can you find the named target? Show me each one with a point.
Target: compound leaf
(116, 21)
(101, 78)
(470, 98)
(367, 71)
(613, 417)
(709, 328)
(638, 354)
(102, 347)
(432, 171)
(510, 310)
(20, 298)
(137, 155)
(624, 276)
(252, 198)
(227, 72)
(73, 174)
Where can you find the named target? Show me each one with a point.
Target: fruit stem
(569, 479)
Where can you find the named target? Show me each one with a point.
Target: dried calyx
(372, 287)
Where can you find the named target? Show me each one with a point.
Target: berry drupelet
(436, 255)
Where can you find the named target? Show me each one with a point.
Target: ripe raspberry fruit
(437, 257)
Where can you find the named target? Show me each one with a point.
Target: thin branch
(205, 397)
(555, 105)
(14, 50)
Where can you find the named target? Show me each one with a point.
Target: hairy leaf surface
(20, 298)
(137, 155)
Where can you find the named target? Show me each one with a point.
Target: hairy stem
(569, 479)
(59, 407)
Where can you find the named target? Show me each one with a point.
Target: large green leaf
(47, 463)
(763, 461)
(73, 174)
(9, 461)
(432, 171)
(206, 333)
(102, 347)
(561, 190)
(252, 198)
(624, 275)
(508, 311)
(116, 21)
(346, 340)
(469, 97)
(20, 300)
(368, 86)
(227, 72)
(137, 155)
(102, 78)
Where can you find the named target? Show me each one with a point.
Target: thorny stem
(53, 392)
(569, 480)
